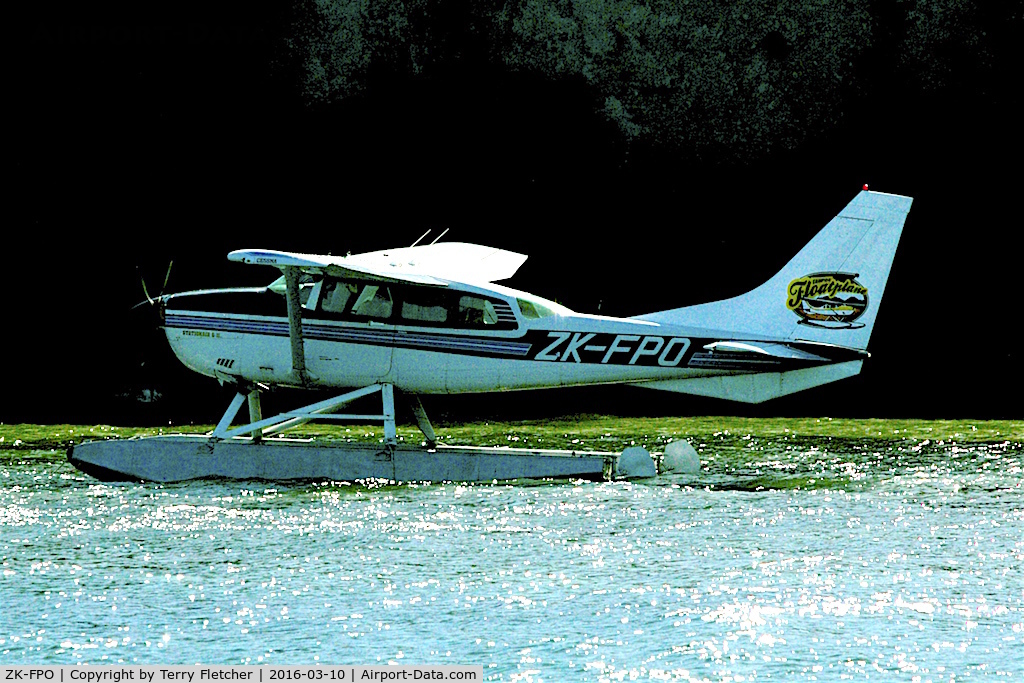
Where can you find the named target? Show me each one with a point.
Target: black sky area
(141, 137)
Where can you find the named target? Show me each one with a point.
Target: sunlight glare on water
(784, 557)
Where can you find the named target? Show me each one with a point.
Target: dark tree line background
(686, 148)
(716, 81)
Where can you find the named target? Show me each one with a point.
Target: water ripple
(784, 557)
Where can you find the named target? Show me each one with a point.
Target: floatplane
(431, 319)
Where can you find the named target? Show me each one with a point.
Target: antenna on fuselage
(421, 238)
(440, 236)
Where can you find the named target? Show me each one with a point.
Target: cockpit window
(373, 302)
(335, 295)
(307, 285)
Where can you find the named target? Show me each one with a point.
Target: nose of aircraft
(150, 312)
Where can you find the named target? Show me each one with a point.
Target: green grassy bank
(590, 431)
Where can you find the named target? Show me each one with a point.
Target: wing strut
(291, 276)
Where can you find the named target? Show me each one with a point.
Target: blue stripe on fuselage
(336, 333)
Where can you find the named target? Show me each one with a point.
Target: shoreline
(584, 429)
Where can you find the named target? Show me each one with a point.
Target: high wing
(431, 264)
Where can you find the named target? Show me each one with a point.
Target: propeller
(150, 300)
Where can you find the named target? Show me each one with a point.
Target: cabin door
(351, 342)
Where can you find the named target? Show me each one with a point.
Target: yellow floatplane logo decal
(832, 300)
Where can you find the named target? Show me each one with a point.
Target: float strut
(220, 431)
(260, 426)
(255, 413)
(422, 421)
(387, 393)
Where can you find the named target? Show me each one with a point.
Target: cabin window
(411, 305)
(533, 310)
(430, 314)
(423, 306)
(373, 302)
(476, 312)
(335, 295)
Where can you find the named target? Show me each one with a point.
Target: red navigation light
(865, 186)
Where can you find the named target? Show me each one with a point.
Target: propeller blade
(166, 277)
(144, 290)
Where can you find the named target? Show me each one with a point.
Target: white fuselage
(429, 319)
(557, 349)
(421, 360)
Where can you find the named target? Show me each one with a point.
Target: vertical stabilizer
(829, 292)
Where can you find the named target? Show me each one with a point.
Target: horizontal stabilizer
(760, 387)
(763, 349)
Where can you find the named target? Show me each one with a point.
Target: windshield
(307, 285)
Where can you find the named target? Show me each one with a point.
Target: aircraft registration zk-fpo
(431, 319)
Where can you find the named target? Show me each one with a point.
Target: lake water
(786, 558)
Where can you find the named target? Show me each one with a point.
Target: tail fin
(829, 292)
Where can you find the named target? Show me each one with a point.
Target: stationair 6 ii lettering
(430, 319)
